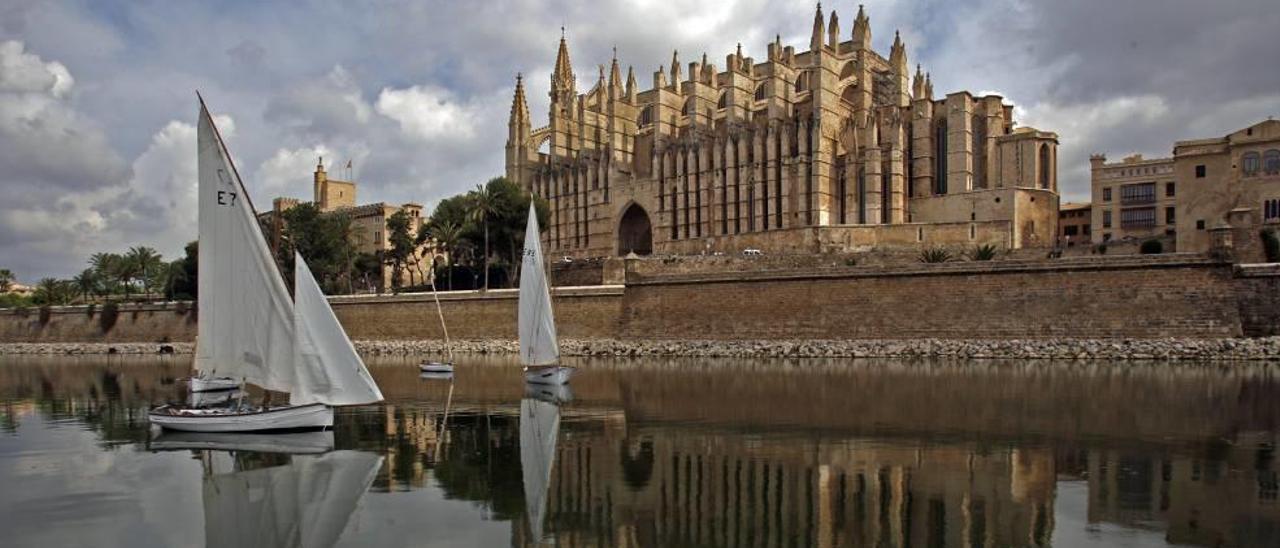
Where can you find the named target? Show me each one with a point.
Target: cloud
(426, 113)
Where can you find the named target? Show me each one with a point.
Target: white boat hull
(554, 375)
(435, 367)
(294, 443)
(294, 417)
(211, 384)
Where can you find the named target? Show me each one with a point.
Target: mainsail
(539, 428)
(306, 503)
(328, 369)
(245, 328)
(538, 345)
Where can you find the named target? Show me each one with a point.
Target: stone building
(1134, 199)
(833, 148)
(368, 222)
(1075, 221)
(1229, 181)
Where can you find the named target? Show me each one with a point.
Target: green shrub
(1271, 245)
(984, 252)
(935, 255)
(1151, 247)
(110, 313)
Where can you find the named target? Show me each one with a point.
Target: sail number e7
(226, 198)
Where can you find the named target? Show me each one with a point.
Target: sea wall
(1137, 297)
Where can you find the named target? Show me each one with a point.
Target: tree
(402, 248)
(484, 205)
(367, 266)
(86, 283)
(52, 291)
(142, 263)
(182, 282)
(6, 280)
(447, 235)
(323, 239)
(111, 271)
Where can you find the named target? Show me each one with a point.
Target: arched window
(1271, 162)
(646, 116)
(688, 107)
(724, 100)
(1249, 163)
(760, 92)
(802, 82)
(940, 157)
(1044, 166)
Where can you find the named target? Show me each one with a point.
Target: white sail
(538, 345)
(328, 369)
(539, 428)
(245, 326)
(305, 504)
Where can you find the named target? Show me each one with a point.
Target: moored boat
(539, 347)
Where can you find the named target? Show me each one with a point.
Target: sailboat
(432, 369)
(249, 328)
(539, 349)
(539, 430)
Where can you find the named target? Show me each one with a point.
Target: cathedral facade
(836, 148)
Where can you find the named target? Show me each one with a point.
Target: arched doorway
(635, 232)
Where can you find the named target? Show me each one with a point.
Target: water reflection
(808, 453)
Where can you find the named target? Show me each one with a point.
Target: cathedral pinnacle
(519, 108)
(675, 67)
(815, 40)
(862, 29)
(562, 78)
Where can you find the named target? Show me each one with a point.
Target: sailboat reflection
(539, 428)
(280, 490)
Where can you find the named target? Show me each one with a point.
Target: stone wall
(1173, 295)
(1143, 297)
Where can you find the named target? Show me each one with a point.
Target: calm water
(661, 453)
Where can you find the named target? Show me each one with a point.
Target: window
(1168, 189)
(1044, 166)
(1137, 218)
(688, 107)
(1106, 194)
(724, 100)
(1143, 193)
(1086, 230)
(1071, 230)
(1106, 236)
(1200, 171)
(646, 116)
(1168, 215)
(1249, 163)
(1271, 210)
(1106, 219)
(1271, 162)
(760, 92)
(1200, 224)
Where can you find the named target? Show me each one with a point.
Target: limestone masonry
(835, 148)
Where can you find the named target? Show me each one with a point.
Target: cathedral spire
(675, 68)
(928, 87)
(917, 83)
(815, 40)
(519, 108)
(562, 79)
(833, 31)
(631, 85)
(862, 30)
(615, 77)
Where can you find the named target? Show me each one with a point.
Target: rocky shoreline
(1251, 349)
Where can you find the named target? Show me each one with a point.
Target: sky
(98, 106)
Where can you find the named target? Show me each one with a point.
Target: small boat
(200, 383)
(539, 431)
(206, 399)
(550, 393)
(435, 376)
(539, 348)
(250, 327)
(436, 367)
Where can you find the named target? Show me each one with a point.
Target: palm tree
(484, 204)
(175, 272)
(52, 291)
(447, 235)
(110, 267)
(6, 280)
(86, 282)
(144, 262)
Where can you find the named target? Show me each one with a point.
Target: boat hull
(294, 443)
(435, 367)
(315, 416)
(213, 384)
(553, 375)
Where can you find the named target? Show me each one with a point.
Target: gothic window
(1249, 163)
(724, 100)
(1044, 166)
(646, 116)
(760, 92)
(940, 157)
(802, 82)
(1271, 162)
(862, 196)
(688, 107)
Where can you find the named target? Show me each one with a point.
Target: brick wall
(1113, 297)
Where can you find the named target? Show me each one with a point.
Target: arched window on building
(760, 92)
(1249, 163)
(723, 102)
(646, 116)
(1044, 166)
(688, 107)
(1271, 162)
(940, 157)
(802, 82)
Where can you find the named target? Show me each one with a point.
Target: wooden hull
(553, 375)
(294, 443)
(293, 417)
(435, 367)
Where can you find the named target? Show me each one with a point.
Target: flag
(348, 164)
